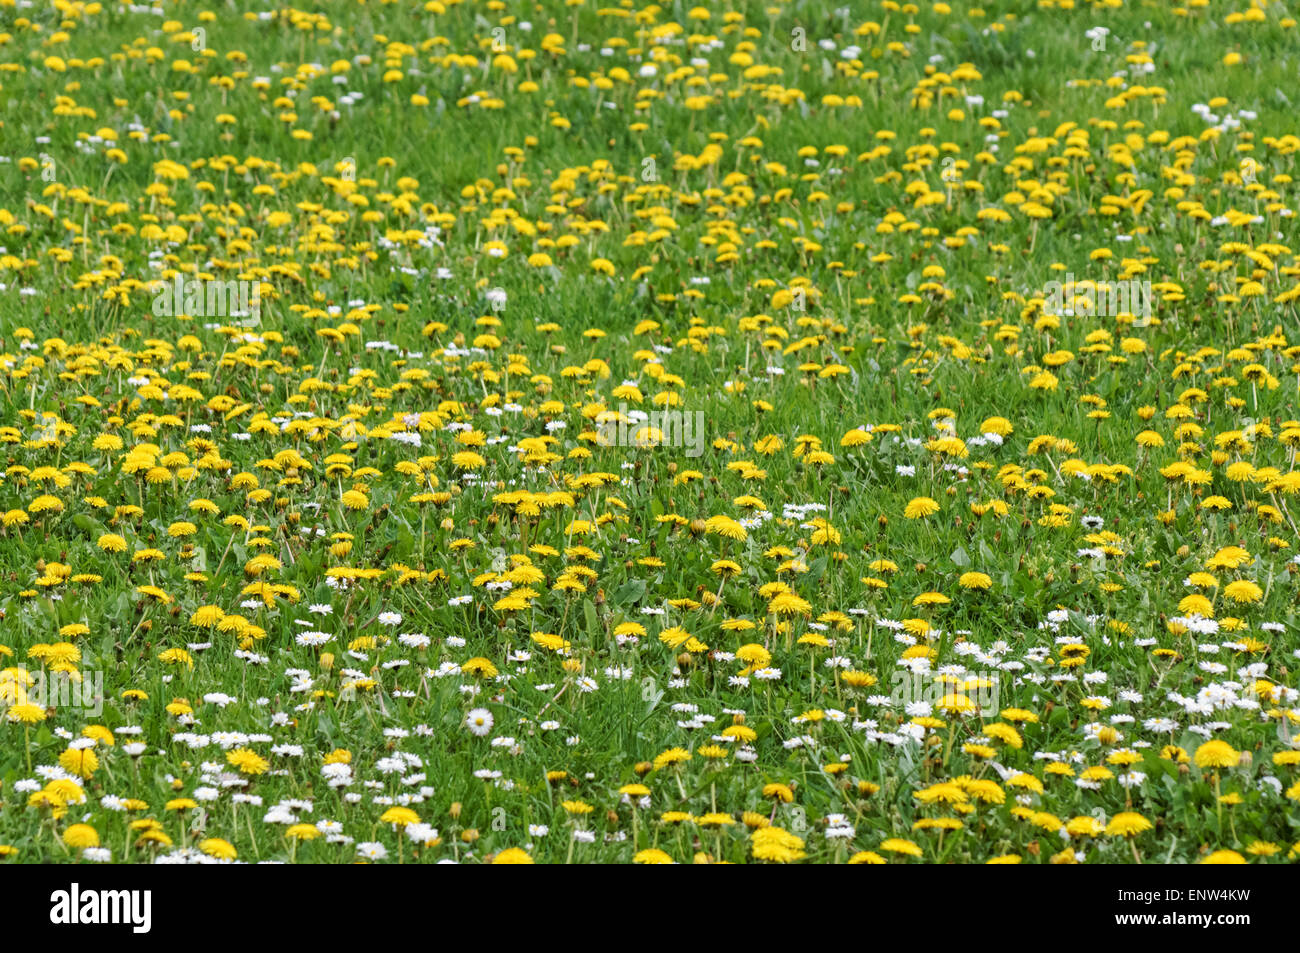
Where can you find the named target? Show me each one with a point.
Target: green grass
(138, 150)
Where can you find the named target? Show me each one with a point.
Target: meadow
(527, 431)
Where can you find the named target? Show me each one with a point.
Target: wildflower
(1216, 754)
(479, 722)
(920, 507)
(1127, 824)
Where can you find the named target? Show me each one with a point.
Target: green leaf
(631, 591)
(87, 524)
(325, 730)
